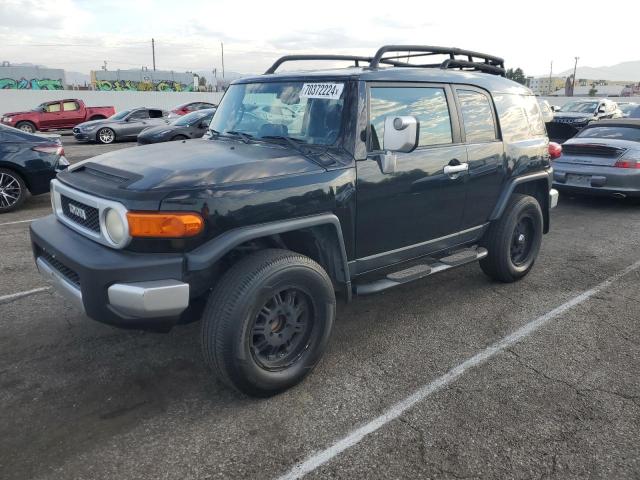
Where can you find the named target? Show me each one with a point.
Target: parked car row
(99, 124)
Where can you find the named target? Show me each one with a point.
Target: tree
(593, 90)
(517, 75)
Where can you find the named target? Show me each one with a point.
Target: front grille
(74, 210)
(65, 271)
(592, 150)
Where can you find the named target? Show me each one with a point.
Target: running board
(416, 272)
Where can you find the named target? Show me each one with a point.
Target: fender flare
(207, 254)
(513, 183)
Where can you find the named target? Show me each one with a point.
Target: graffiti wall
(33, 84)
(31, 78)
(142, 86)
(141, 81)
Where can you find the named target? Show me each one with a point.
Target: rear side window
(513, 119)
(477, 115)
(534, 115)
(427, 104)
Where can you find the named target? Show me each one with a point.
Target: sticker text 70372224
(330, 91)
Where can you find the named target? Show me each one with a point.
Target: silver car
(602, 159)
(125, 125)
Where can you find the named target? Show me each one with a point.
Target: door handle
(453, 169)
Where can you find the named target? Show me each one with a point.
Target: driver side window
(428, 104)
(139, 115)
(53, 108)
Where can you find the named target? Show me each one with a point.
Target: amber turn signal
(164, 224)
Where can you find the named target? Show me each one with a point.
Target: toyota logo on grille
(77, 211)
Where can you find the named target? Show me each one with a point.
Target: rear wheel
(26, 127)
(513, 241)
(13, 191)
(267, 323)
(105, 135)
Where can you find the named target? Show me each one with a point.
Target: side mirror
(401, 134)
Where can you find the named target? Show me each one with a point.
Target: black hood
(192, 164)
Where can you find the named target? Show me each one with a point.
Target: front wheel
(267, 323)
(27, 127)
(106, 136)
(513, 241)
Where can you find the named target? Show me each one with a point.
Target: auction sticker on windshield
(332, 91)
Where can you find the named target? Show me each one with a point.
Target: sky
(78, 35)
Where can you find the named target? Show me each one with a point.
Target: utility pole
(575, 67)
(222, 49)
(153, 53)
(550, 77)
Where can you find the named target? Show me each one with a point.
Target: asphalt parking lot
(83, 400)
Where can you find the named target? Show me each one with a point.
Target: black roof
(492, 83)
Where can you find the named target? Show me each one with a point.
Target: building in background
(545, 85)
(143, 80)
(31, 77)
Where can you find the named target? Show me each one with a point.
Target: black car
(344, 181)
(577, 114)
(28, 163)
(192, 125)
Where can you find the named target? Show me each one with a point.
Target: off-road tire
(500, 240)
(235, 306)
(26, 126)
(15, 185)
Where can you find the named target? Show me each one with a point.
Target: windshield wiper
(294, 143)
(246, 137)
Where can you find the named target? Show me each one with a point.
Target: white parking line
(320, 458)
(26, 293)
(18, 221)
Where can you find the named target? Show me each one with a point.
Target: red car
(56, 115)
(189, 107)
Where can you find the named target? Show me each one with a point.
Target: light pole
(550, 76)
(575, 67)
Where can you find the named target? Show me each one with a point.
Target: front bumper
(126, 289)
(83, 136)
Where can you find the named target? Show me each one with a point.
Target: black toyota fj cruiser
(347, 181)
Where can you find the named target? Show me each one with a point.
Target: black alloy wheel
(12, 190)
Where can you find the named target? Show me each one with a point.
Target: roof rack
(474, 61)
(471, 61)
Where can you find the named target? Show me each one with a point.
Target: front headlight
(115, 227)
(6, 119)
(88, 128)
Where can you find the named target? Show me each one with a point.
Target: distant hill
(622, 71)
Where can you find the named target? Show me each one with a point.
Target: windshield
(307, 112)
(120, 115)
(580, 107)
(192, 118)
(617, 133)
